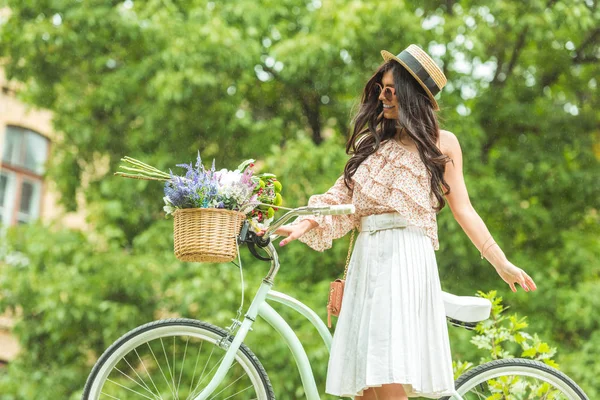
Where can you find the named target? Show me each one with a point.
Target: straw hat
(422, 67)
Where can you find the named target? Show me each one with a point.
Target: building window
(23, 159)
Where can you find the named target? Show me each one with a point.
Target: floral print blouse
(393, 179)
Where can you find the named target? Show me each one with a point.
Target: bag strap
(349, 254)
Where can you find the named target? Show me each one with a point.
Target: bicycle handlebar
(341, 209)
(265, 241)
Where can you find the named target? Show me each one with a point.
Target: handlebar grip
(341, 209)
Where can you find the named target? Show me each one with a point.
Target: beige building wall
(9, 347)
(13, 112)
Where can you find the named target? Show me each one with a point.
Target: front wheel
(174, 359)
(517, 379)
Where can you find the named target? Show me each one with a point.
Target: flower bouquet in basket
(209, 206)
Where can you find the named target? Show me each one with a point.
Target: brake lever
(252, 248)
(259, 241)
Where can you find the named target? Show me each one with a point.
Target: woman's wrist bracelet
(483, 246)
(487, 249)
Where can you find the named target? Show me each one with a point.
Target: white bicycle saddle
(466, 309)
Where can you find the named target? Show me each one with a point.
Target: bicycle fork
(238, 339)
(260, 307)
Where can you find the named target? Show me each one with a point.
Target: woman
(391, 339)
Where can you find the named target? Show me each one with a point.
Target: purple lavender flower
(247, 178)
(209, 188)
(178, 191)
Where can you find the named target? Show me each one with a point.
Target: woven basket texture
(206, 234)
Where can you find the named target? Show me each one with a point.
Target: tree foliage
(277, 81)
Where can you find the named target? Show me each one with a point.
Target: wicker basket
(206, 234)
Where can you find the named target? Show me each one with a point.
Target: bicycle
(150, 361)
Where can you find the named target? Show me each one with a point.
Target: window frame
(21, 174)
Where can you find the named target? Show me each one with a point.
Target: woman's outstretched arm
(471, 222)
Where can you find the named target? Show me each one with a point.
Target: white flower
(249, 206)
(237, 191)
(258, 226)
(227, 178)
(168, 208)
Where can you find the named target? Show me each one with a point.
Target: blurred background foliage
(277, 81)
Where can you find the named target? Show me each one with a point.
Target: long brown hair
(416, 117)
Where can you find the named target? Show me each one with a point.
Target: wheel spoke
(174, 372)
(125, 387)
(480, 393)
(182, 363)
(235, 394)
(168, 368)
(221, 391)
(194, 374)
(207, 375)
(156, 362)
(204, 369)
(134, 381)
(218, 363)
(147, 373)
(108, 395)
(143, 384)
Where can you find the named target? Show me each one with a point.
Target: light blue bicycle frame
(260, 307)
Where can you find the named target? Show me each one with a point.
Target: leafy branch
(501, 331)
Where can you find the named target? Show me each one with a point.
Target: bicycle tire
(517, 367)
(178, 328)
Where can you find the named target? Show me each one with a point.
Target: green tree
(277, 81)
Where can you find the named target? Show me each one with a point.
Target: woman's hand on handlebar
(293, 232)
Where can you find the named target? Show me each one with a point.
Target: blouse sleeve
(329, 227)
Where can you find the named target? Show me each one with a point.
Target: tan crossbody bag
(336, 289)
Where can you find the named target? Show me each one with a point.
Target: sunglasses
(388, 92)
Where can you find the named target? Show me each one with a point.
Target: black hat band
(417, 68)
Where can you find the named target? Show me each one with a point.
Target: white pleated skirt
(392, 326)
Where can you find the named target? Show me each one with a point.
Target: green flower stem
(274, 206)
(138, 176)
(146, 172)
(142, 165)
